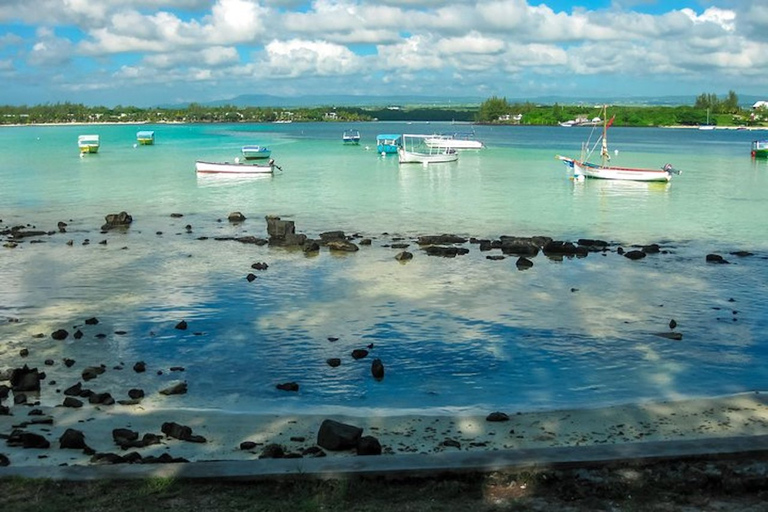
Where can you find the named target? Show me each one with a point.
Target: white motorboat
(235, 167)
(255, 152)
(414, 150)
(456, 141)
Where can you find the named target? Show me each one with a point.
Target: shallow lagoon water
(454, 334)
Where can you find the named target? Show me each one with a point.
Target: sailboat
(583, 168)
(707, 126)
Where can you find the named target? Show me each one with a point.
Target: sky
(157, 52)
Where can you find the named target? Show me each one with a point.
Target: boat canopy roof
(88, 137)
(145, 133)
(388, 136)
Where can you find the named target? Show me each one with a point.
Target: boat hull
(88, 144)
(587, 170)
(233, 168)
(438, 142)
(413, 157)
(255, 153)
(760, 149)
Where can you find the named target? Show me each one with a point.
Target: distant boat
(351, 137)
(760, 149)
(387, 144)
(145, 138)
(454, 141)
(707, 126)
(88, 144)
(235, 167)
(414, 150)
(255, 152)
(582, 168)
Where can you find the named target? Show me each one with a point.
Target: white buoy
(616, 152)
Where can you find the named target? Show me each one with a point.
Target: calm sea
(465, 333)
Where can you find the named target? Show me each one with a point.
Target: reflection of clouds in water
(458, 329)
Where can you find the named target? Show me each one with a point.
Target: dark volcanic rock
(20, 438)
(182, 432)
(251, 240)
(404, 256)
(359, 353)
(334, 435)
(72, 439)
(182, 326)
(593, 245)
(445, 251)
(342, 246)
(368, 445)
(497, 416)
(283, 233)
(74, 390)
(521, 246)
(272, 451)
(561, 248)
(635, 255)
(523, 263)
(72, 402)
(288, 386)
(716, 258)
(59, 334)
(25, 379)
(91, 372)
(140, 367)
(440, 239)
(114, 220)
(176, 389)
(377, 369)
(333, 362)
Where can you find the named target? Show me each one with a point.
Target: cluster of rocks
(282, 233)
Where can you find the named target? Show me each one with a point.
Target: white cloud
(49, 50)
(216, 56)
(405, 43)
(299, 57)
(230, 22)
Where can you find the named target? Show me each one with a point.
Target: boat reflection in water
(227, 180)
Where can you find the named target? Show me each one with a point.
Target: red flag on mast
(611, 121)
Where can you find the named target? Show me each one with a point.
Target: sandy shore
(738, 415)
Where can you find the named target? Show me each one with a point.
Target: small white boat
(235, 167)
(414, 150)
(88, 144)
(454, 141)
(351, 137)
(145, 137)
(255, 152)
(582, 168)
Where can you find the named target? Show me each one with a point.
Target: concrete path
(409, 465)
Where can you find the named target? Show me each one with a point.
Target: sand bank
(737, 415)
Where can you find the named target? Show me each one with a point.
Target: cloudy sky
(149, 52)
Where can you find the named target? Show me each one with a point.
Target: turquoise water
(461, 333)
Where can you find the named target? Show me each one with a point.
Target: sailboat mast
(604, 150)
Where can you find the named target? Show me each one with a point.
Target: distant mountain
(330, 100)
(266, 100)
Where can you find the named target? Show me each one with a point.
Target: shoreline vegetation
(707, 110)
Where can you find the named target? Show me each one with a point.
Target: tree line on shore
(491, 111)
